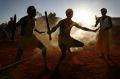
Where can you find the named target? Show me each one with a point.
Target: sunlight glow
(86, 18)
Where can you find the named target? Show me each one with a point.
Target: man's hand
(48, 32)
(96, 30)
(95, 25)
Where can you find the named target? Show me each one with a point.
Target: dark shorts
(31, 42)
(69, 42)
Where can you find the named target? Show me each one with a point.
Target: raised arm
(97, 21)
(110, 22)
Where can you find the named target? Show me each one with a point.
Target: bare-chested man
(65, 41)
(27, 24)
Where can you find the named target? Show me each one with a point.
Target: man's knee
(63, 53)
(44, 49)
(81, 44)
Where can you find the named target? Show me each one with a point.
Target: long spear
(50, 38)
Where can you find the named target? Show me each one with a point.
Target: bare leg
(41, 46)
(63, 50)
(44, 57)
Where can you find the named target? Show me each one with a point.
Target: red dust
(32, 68)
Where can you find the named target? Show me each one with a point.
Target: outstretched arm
(54, 28)
(83, 28)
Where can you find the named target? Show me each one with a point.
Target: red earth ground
(93, 67)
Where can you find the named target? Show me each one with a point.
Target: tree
(3, 32)
(52, 18)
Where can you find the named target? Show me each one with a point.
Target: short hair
(30, 8)
(104, 9)
(69, 10)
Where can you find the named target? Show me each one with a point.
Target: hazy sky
(10, 7)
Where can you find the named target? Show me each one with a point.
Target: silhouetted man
(13, 29)
(27, 24)
(10, 26)
(65, 40)
(103, 35)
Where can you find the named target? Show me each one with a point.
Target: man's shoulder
(65, 20)
(24, 18)
(106, 17)
(62, 21)
(109, 17)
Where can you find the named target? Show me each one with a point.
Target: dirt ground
(85, 63)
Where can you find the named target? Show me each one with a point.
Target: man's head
(69, 13)
(11, 18)
(103, 11)
(31, 11)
